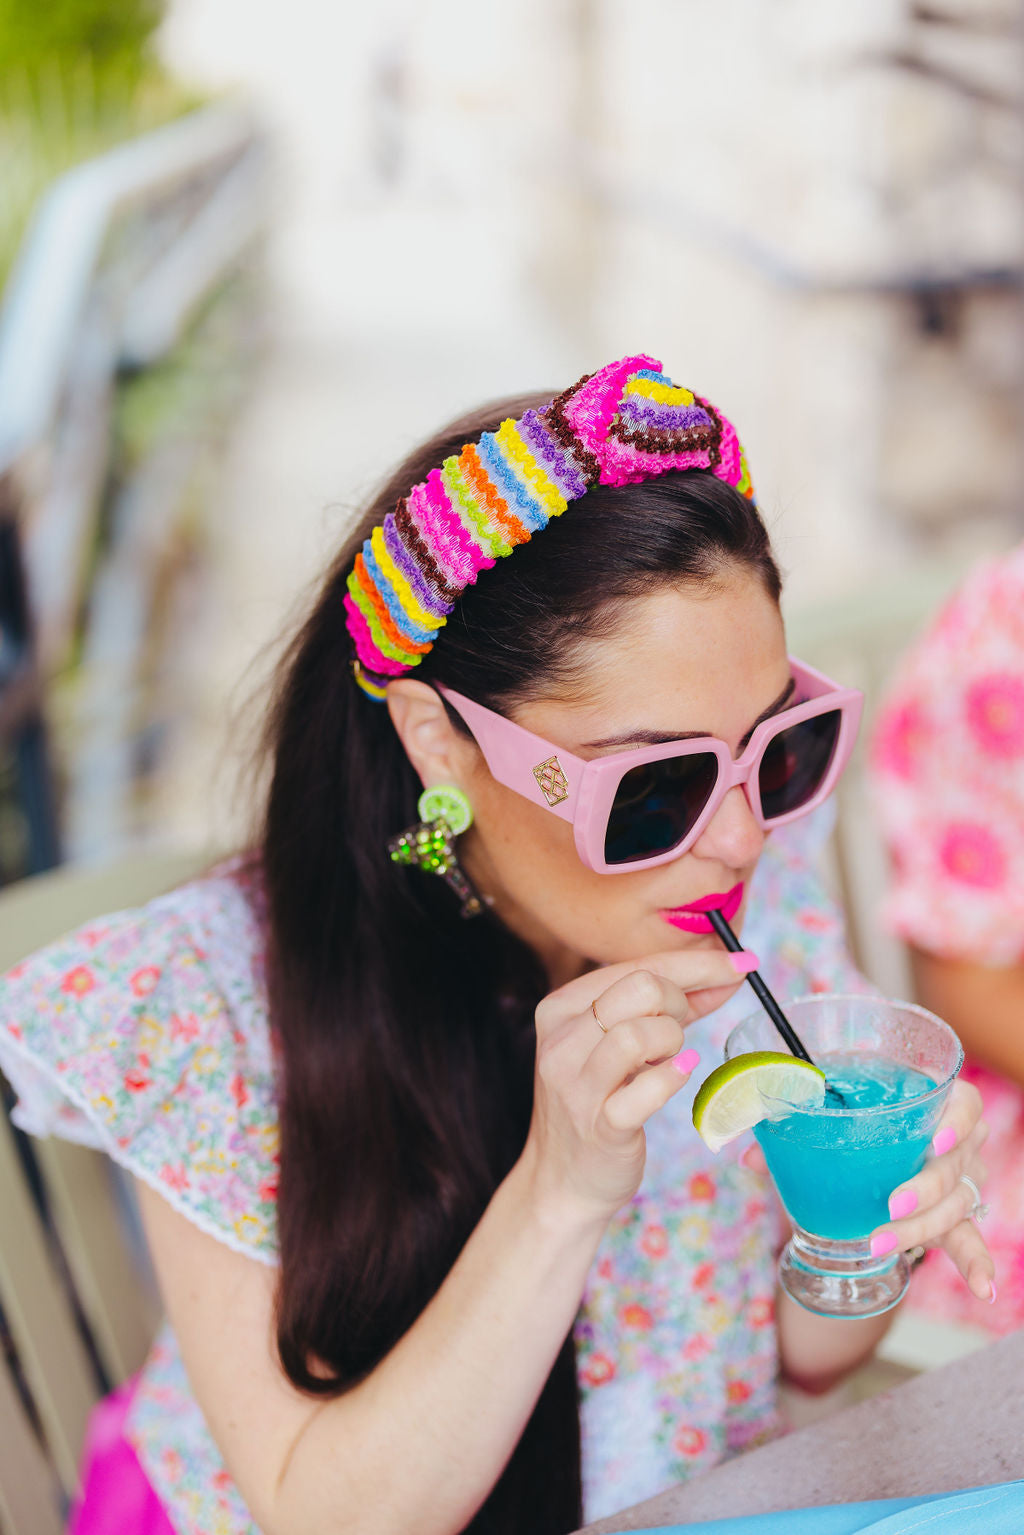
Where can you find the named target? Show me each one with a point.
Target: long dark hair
(405, 1035)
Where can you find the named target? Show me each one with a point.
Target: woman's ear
(436, 750)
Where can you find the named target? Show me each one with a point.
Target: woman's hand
(934, 1208)
(601, 1074)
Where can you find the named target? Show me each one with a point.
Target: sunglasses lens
(795, 764)
(657, 804)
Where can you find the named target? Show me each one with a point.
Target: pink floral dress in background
(146, 1034)
(948, 763)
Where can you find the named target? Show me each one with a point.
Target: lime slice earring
(445, 813)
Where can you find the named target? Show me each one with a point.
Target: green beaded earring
(445, 813)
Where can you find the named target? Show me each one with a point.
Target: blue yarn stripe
(519, 495)
(392, 602)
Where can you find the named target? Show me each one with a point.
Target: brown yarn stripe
(554, 417)
(413, 539)
(647, 439)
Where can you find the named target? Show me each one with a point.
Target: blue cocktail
(825, 1188)
(890, 1067)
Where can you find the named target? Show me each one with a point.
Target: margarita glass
(835, 1165)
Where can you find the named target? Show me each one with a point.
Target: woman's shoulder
(977, 634)
(989, 602)
(145, 1033)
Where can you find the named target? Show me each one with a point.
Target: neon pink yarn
(445, 533)
(592, 408)
(366, 648)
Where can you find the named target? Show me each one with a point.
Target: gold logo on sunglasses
(553, 783)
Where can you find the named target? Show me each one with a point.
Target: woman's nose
(732, 836)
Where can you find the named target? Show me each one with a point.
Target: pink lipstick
(691, 918)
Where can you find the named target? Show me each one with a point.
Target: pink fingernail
(944, 1141)
(903, 1203)
(685, 1061)
(883, 1243)
(992, 1288)
(743, 962)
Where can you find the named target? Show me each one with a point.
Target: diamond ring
(978, 1210)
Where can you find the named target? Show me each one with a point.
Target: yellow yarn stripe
(404, 592)
(744, 484)
(463, 498)
(532, 470)
(665, 394)
(386, 646)
(372, 689)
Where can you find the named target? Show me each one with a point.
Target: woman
(498, 1265)
(948, 761)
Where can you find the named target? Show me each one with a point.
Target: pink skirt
(116, 1497)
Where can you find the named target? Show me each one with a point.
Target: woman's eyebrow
(661, 737)
(776, 708)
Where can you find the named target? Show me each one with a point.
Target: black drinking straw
(764, 996)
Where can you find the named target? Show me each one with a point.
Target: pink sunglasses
(635, 809)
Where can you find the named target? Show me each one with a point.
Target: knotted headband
(619, 426)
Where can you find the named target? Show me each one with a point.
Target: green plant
(76, 78)
(63, 114)
(112, 34)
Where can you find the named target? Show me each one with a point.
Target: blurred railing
(123, 252)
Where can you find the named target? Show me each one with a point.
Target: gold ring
(602, 1026)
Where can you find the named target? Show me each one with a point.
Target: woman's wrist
(817, 1352)
(557, 1216)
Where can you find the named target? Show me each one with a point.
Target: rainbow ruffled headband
(622, 425)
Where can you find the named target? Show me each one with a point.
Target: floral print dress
(145, 1034)
(948, 763)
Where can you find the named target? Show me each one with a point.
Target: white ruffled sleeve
(145, 1035)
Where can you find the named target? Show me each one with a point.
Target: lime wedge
(733, 1098)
